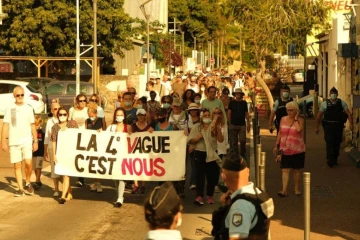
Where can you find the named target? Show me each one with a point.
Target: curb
(354, 156)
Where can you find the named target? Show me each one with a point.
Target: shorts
(20, 152)
(295, 161)
(52, 163)
(37, 162)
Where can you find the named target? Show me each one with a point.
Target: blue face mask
(197, 101)
(207, 120)
(127, 104)
(285, 94)
(166, 105)
(139, 106)
(333, 96)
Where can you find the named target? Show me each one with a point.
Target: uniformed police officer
(334, 110)
(248, 209)
(163, 213)
(279, 109)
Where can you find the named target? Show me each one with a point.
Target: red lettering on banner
(338, 5)
(140, 167)
(131, 146)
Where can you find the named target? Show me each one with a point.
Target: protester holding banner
(94, 122)
(140, 126)
(63, 117)
(118, 125)
(163, 213)
(48, 149)
(205, 136)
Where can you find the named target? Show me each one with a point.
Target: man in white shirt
(165, 87)
(19, 126)
(239, 82)
(48, 149)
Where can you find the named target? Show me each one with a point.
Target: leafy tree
(48, 28)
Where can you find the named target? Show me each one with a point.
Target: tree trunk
(262, 83)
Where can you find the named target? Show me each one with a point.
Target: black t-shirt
(40, 137)
(238, 110)
(94, 125)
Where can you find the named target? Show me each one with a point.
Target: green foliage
(48, 28)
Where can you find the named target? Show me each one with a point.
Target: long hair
(191, 97)
(114, 117)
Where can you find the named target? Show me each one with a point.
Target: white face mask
(207, 120)
(119, 119)
(197, 101)
(202, 89)
(179, 222)
(62, 118)
(92, 118)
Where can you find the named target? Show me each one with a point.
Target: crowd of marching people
(197, 104)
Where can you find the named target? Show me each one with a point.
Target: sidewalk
(335, 212)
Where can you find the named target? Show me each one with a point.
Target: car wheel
(309, 109)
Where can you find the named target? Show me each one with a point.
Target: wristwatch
(36, 141)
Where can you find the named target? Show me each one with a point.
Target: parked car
(309, 104)
(65, 91)
(32, 97)
(37, 82)
(298, 75)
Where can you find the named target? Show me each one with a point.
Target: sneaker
(118, 204)
(28, 189)
(142, 190)
(79, 184)
(39, 184)
(199, 201)
(93, 187)
(99, 188)
(210, 200)
(192, 187)
(19, 193)
(56, 194)
(135, 189)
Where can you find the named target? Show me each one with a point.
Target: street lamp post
(95, 49)
(77, 50)
(147, 17)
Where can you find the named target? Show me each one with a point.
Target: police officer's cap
(285, 87)
(233, 162)
(334, 90)
(164, 200)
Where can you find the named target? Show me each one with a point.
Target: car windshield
(31, 89)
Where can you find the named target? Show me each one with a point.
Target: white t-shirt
(223, 146)
(100, 112)
(167, 86)
(79, 116)
(19, 119)
(50, 123)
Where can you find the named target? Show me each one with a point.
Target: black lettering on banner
(112, 151)
(77, 157)
(165, 144)
(111, 160)
(92, 143)
(78, 147)
(101, 166)
(138, 146)
(91, 164)
(146, 148)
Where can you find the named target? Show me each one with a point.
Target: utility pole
(95, 70)
(147, 17)
(77, 69)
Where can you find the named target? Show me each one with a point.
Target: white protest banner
(157, 156)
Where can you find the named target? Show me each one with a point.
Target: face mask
(285, 94)
(333, 96)
(161, 120)
(127, 104)
(120, 119)
(92, 118)
(207, 120)
(166, 105)
(62, 119)
(202, 89)
(197, 101)
(179, 222)
(140, 106)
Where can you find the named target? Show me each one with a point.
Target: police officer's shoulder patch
(237, 219)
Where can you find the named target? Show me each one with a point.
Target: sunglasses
(19, 95)
(62, 114)
(55, 109)
(132, 92)
(93, 100)
(82, 100)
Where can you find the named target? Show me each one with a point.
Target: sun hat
(193, 106)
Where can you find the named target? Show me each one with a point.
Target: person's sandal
(298, 194)
(282, 194)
